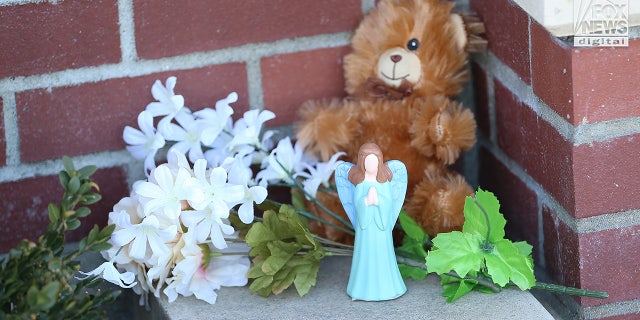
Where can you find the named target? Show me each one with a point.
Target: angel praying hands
(372, 193)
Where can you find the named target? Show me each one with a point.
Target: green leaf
(455, 251)
(476, 220)
(411, 272)
(106, 231)
(90, 198)
(281, 252)
(82, 212)
(73, 223)
(74, 185)
(86, 172)
(306, 278)
(64, 178)
(68, 165)
(411, 228)
(101, 247)
(259, 233)
(506, 264)
(263, 282)
(455, 289)
(283, 280)
(54, 213)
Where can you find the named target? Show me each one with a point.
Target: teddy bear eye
(413, 44)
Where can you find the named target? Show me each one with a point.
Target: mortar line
(577, 135)
(4, 3)
(254, 84)
(11, 132)
(620, 308)
(105, 159)
(541, 258)
(531, 183)
(491, 97)
(603, 222)
(183, 62)
(127, 31)
(367, 5)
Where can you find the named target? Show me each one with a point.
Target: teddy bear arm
(444, 129)
(327, 127)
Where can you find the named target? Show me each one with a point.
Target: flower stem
(311, 216)
(570, 291)
(486, 246)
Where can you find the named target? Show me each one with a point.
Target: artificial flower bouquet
(190, 227)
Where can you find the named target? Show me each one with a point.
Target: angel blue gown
(374, 270)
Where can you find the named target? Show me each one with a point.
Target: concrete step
(329, 300)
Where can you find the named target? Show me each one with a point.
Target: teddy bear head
(407, 48)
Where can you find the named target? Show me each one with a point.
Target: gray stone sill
(328, 300)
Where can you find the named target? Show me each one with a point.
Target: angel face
(371, 165)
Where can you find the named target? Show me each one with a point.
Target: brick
(518, 203)
(507, 28)
(169, 28)
(481, 98)
(535, 145)
(552, 72)
(24, 205)
(3, 141)
(603, 83)
(561, 250)
(91, 117)
(606, 176)
(609, 263)
(290, 79)
(45, 37)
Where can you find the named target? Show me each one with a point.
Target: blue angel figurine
(372, 193)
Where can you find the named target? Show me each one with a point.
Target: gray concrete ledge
(328, 300)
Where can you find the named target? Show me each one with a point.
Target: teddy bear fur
(414, 119)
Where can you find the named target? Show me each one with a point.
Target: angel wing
(398, 184)
(346, 190)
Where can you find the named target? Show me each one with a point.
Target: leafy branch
(478, 258)
(35, 278)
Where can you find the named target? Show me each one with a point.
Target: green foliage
(480, 251)
(414, 246)
(36, 278)
(284, 252)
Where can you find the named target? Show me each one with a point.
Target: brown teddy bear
(408, 62)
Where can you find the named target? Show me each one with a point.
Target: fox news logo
(601, 23)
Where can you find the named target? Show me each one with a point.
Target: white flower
(168, 103)
(144, 143)
(108, 272)
(216, 120)
(190, 135)
(253, 194)
(148, 234)
(320, 174)
(246, 131)
(220, 196)
(168, 192)
(282, 163)
(129, 206)
(239, 168)
(192, 278)
(213, 183)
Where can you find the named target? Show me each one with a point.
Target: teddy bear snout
(396, 65)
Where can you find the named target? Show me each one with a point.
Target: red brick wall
(559, 145)
(73, 74)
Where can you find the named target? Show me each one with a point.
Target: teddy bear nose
(396, 58)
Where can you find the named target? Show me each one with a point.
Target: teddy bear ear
(459, 31)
